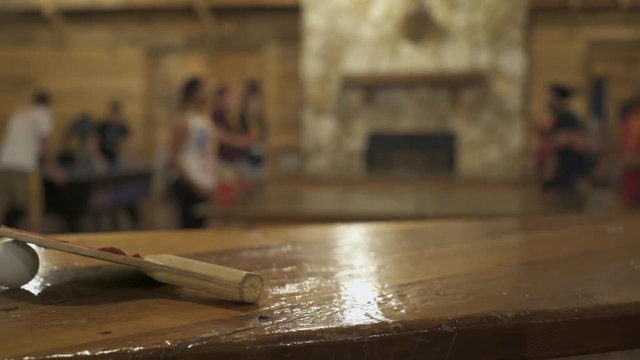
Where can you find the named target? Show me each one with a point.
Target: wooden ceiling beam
(117, 5)
(49, 11)
(205, 14)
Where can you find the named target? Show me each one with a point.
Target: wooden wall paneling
(233, 68)
(167, 30)
(560, 46)
(282, 100)
(80, 79)
(119, 5)
(619, 63)
(143, 58)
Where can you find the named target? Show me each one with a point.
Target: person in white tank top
(196, 156)
(194, 152)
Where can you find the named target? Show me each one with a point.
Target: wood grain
(499, 289)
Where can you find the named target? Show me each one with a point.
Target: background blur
(375, 109)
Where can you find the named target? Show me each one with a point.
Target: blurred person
(82, 145)
(542, 152)
(112, 133)
(194, 152)
(630, 153)
(229, 154)
(252, 122)
(632, 105)
(232, 146)
(571, 156)
(26, 141)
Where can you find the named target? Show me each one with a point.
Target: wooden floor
(302, 202)
(475, 289)
(385, 200)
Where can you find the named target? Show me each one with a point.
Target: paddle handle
(220, 281)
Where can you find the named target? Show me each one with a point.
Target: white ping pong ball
(19, 263)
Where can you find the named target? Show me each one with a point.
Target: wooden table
(94, 193)
(499, 289)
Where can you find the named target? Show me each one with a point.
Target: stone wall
(414, 37)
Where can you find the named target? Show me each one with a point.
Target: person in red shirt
(630, 153)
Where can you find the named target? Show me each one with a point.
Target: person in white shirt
(194, 149)
(26, 141)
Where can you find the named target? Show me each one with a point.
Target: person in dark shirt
(572, 154)
(229, 153)
(252, 122)
(112, 133)
(81, 145)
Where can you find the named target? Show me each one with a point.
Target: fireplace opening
(411, 154)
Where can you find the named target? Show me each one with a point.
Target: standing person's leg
(253, 175)
(187, 201)
(19, 193)
(550, 169)
(186, 220)
(197, 220)
(5, 197)
(182, 196)
(232, 183)
(132, 211)
(35, 208)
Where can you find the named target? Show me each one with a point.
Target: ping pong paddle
(219, 281)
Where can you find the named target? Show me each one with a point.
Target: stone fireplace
(411, 154)
(408, 122)
(379, 69)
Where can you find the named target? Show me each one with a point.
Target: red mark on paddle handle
(115, 250)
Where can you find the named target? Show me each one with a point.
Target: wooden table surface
(498, 289)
